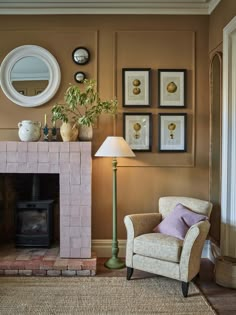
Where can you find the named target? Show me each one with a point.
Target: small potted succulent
(80, 110)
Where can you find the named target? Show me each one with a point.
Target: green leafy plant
(82, 106)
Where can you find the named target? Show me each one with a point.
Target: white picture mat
(172, 99)
(143, 140)
(143, 97)
(178, 140)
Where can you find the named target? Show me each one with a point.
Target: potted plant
(81, 108)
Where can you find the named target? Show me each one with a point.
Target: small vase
(69, 132)
(85, 133)
(29, 130)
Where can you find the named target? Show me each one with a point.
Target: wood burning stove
(34, 219)
(34, 223)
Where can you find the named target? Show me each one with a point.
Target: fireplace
(72, 162)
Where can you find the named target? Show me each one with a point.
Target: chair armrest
(192, 250)
(137, 224)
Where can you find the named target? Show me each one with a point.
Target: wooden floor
(223, 300)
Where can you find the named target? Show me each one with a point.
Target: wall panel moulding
(166, 51)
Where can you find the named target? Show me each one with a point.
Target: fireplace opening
(29, 210)
(34, 219)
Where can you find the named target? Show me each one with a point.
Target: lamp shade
(115, 147)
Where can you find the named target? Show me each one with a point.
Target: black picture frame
(81, 55)
(137, 131)
(136, 90)
(172, 132)
(172, 88)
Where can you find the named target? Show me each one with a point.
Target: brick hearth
(43, 262)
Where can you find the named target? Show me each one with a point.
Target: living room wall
(220, 17)
(116, 42)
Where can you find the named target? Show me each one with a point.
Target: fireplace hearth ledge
(43, 262)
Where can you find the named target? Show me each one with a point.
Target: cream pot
(29, 130)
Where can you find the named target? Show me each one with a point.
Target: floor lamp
(114, 147)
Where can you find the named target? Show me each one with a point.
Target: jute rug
(98, 295)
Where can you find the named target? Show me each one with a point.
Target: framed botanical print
(138, 130)
(171, 88)
(136, 87)
(172, 132)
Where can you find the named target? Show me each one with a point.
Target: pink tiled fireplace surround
(72, 161)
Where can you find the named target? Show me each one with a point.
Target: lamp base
(114, 263)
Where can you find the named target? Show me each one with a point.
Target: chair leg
(129, 273)
(185, 286)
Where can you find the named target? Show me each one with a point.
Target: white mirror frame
(32, 51)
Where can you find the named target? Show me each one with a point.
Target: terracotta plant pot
(69, 132)
(85, 133)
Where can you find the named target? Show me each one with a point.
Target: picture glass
(172, 132)
(136, 87)
(172, 88)
(137, 131)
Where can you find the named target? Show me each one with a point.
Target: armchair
(163, 254)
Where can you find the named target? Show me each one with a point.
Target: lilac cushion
(178, 221)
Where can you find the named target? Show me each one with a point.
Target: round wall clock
(81, 55)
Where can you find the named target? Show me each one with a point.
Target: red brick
(74, 264)
(89, 264)
(19, 264)
(61, 264)
(46, 265)
(32, 265)
(37, 257)
(5, 264)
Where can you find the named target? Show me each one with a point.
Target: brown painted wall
(117, 42)
(219, 18)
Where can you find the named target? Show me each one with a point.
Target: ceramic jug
(29, 130)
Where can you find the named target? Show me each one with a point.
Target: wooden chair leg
(185, 286)
(129, 272)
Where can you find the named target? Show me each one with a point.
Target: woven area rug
(98, 295)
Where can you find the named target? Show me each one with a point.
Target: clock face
(81, 55)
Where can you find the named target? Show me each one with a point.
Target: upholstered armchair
(163, 254)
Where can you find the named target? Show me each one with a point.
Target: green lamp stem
(114, 262)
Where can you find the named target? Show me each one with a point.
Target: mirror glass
(30, 76)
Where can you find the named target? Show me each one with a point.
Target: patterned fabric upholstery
(167, 204)
(158, 246)
(162, 254)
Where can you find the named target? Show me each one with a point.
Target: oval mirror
(30, 76)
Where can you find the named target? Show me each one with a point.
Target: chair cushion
(178, 221)
(158, 246)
